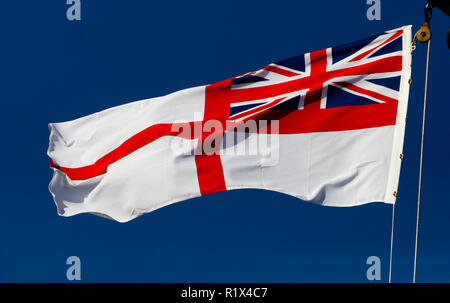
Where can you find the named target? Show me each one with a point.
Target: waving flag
(326, 127)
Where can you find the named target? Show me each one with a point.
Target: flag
(326, 127)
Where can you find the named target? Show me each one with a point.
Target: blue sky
(121, 51)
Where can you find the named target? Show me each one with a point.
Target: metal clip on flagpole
(423, 35)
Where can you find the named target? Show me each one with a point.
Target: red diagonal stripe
(366, 92)
(257, 109)
(281, 71)
(361, 56)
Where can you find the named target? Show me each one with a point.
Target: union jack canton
(347, 87)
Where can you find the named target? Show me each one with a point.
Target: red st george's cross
(349, 87)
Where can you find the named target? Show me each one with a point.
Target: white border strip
(399, 131)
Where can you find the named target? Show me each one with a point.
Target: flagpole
(423, 35)
(421, 160)
(392, 242)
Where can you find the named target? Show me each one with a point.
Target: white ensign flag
(326, 127)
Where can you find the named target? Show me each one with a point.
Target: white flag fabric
(326, 127)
